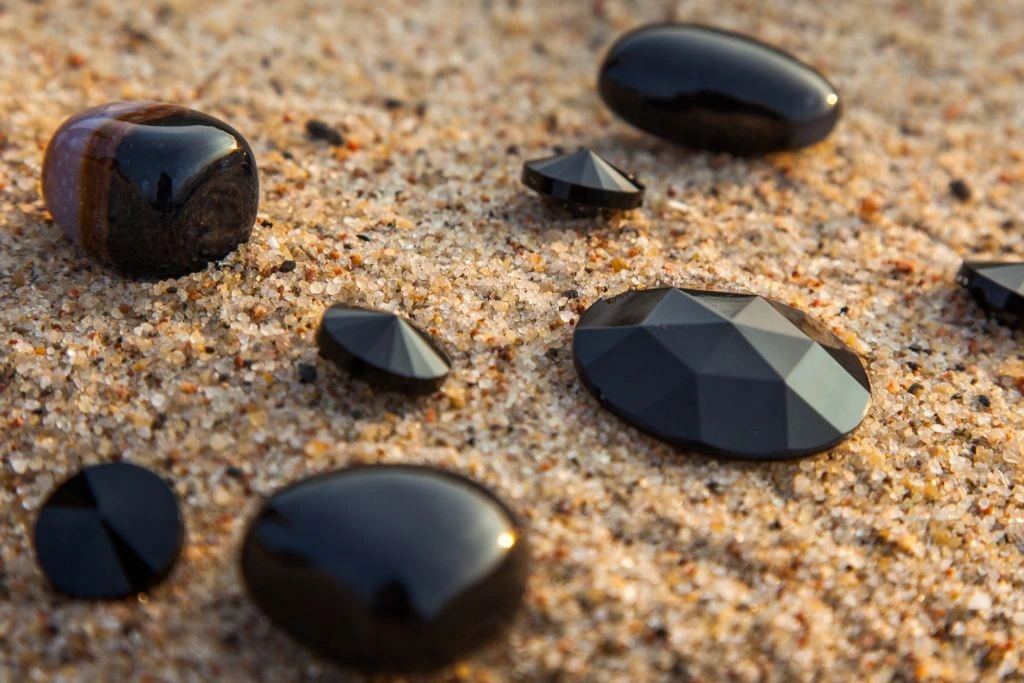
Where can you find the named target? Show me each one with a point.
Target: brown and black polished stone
(153, 189)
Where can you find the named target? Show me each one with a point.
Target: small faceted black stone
(382, 348)
(109, 531)
(583, 182)
(387, 568)
(711, 89)
(156, 190)
(733, 375)
(997, 287)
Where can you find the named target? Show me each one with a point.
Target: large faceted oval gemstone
(711, 89)
(387, 568)
(153, 189)
(734, 375)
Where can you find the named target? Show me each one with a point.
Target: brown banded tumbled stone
(153, 189)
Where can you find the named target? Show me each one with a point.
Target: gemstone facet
(382, 348)
(109, 531)
(734, 375)
(387, 568)
(710, 89)
(997, 287)
(152, 189)
(583, 181)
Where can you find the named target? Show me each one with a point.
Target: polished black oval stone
(998, 287)
(152, 189)
(387, 568)
(383, 349)
(710, 89)
(109, 531)
(734, 375)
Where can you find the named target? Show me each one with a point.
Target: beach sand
(896, 556)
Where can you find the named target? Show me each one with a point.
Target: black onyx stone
(382, 348)
(711, 89)
(583, 182)
(997, 287)
(387, 568)
(152, 189)
(733, 375)
(109, 531)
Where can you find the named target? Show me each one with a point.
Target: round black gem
(382, 348)
(387, 568)
(733, 375)
(109, 531)
(583, 181)
(997, 287)
(706, 88)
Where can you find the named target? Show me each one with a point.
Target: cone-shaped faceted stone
(998, 288)
(109, 531)
(711, 89)
(382, 348)
(152, 189)
(734, 375)
(387, 568)
(583, 180)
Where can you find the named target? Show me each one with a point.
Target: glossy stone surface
(152, 189)
(997, 287)
(387, 568)
(733, 375)
(383, 349)
(583, 180)
(109, 531)
(711, 89)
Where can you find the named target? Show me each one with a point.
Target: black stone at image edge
(109, 531)
(733, 375)
(711, 89)
(387, 568)
(998, 287)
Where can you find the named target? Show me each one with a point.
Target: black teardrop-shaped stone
(710, 89)
(387, 568)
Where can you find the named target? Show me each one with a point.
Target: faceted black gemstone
(711, 89)
(735, 375)
(387, 568)
(384, 349)
(109, 531)
(583, 181)
(153, 189)
(998, 288)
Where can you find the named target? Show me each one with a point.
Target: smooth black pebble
(711, 89)
(387, 568)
